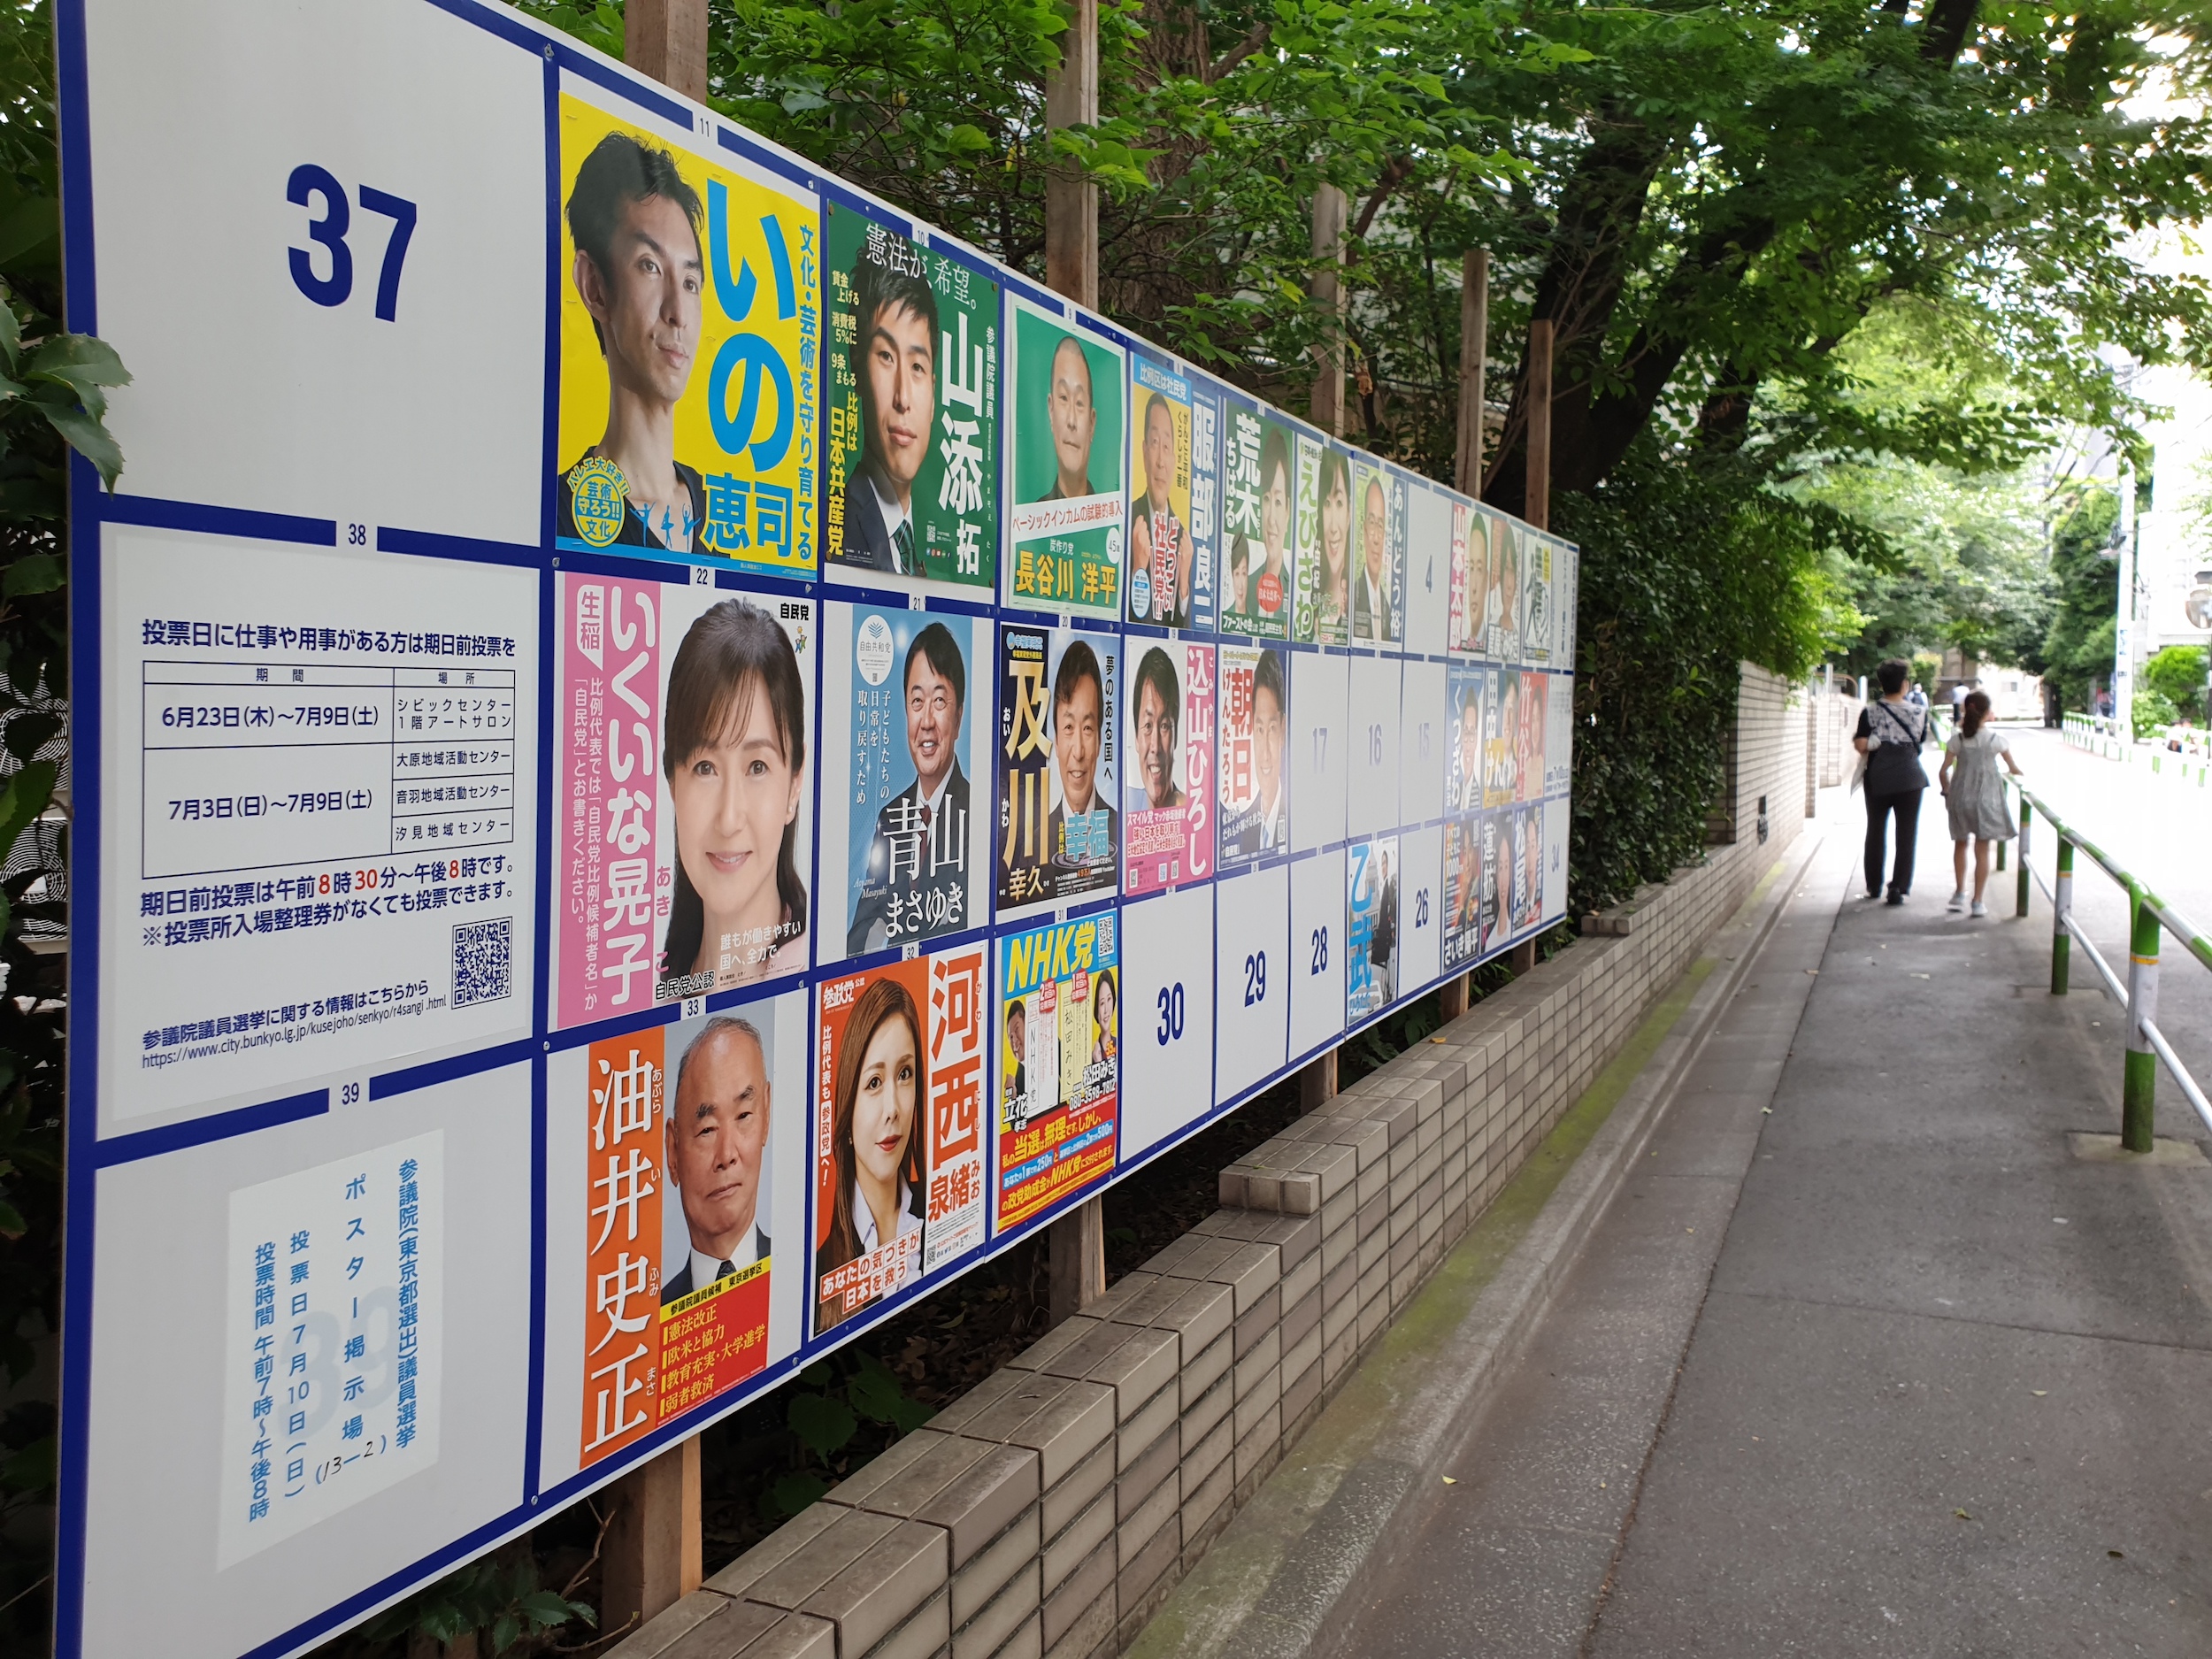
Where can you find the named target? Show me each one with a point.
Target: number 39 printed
(308, 182)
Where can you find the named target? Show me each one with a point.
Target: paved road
(1888, 1370)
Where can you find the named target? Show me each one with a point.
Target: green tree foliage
(2077, 652)
(2177, 675)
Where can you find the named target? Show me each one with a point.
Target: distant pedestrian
(1890, 734)
(1917, 697)
(1976, 794)
(1958, 702)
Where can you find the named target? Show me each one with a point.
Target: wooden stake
(1317, 1081)
(1329, 210)
(1474, 345)
(1452, 999)
(667, 39)
(1538, 510)
(1071, 197)
(654, 1548)
(1079, 1258)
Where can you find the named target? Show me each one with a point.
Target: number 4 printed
(308, 181)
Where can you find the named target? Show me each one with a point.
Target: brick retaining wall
(1050, 1509)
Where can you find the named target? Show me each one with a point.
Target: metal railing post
(2061, 912)
(2020, 899)
(2139, 1084)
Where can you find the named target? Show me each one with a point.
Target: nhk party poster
(1067, 499)
(1168, 817)
(911, 419)
(689, 327)
(685, 819)
(1161, 552)
(1059, 1025)
(901, 1114)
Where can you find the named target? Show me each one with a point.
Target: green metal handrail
(2149, 915)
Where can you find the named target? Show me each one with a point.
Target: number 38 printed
(310, 183)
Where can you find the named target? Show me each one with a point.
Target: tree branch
(1238, 53)
(1395, 171)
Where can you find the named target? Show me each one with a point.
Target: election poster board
(1066, 537)
(553, 874)
(1058, 836)
(1059, 1027)
(906, 834)
(910, 446)
(690, 333)
(688, 805)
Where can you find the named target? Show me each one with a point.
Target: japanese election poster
(1324, 545)
(1377, 586)
(1161, 555)
(900, 1113)
(906, 844)
(1502, 599)
(1501, 719)
(1470, 689)
(1536, 597)
(1465, 875)
(1168, 824)
(1205, 502)
(1059, 831)
(677, 1132)
(1067, 509)
(333, 1358)
(691, 302)
(1528, 738)
(1522, 855)
(1308, 535)
(1469, 579)
(1254, 715)
(909, 482)
(685, 821)
(1371, 926)
(318, 817)
(1059, 996)
(1259, 590)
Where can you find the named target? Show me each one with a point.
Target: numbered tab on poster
(1429, 518)
(1067, 496)
(1319, 744)
(1167, 982)
(911, 468)
(1314, 967)
(290, 259)
(1252, 973)
(907, 844)
(690, 323)
(1059, 1032)
(686, 815)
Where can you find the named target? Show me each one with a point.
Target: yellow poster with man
(690, 319)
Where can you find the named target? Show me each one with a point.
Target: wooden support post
(1317, 1081)
(1524, 958)
(1072, 198)
(1328, 292)
(1474, 344)
(653, 1553)
(667, 39)
(1538, 510)
(1451, 998)
(1078, 1267)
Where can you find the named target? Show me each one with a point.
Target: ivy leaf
(823, 1424)
(39, 573)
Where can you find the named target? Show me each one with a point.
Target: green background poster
(1065, 534)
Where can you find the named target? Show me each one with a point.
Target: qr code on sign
(483, 962)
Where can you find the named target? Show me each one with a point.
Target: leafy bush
(2176, 676)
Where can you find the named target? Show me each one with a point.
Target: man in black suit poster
(916, 886)
(717, 1142)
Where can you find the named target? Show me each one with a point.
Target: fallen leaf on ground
(1450, 1481)
(1963, 1515)
(2038, 1393)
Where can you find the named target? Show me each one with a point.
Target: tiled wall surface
(1049, 1510)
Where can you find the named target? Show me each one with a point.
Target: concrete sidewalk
(1863, 1358)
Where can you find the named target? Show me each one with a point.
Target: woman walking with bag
(1976, 794)
(1890, 734)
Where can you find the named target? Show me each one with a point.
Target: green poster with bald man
(1068, 500)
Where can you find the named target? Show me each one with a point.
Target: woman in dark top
(1890, 734)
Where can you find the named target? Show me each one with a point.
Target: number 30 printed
(308, 182)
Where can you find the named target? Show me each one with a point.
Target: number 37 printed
(313, 187)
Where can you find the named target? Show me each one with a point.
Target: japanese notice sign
(1066, 516)
(1168, 820)
(914, 715)
(690, 333)
(911, 421)
(685, 833)
(1059, 1064)
(900, 1122)
(1059, 831)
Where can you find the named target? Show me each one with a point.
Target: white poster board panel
(174, 1561)
(1557, 817)
(695, 1125)
(1251, 972)
(1425, 750)
(1559, 734)
(1420, 909)
(1319, 695)
(318, 841)
(1428, 569)
(1371, 792)
(1167, 1042)
(1315, 966)
(290, 258)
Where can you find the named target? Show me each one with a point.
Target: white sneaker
(1980, 908)
(1958, 901)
